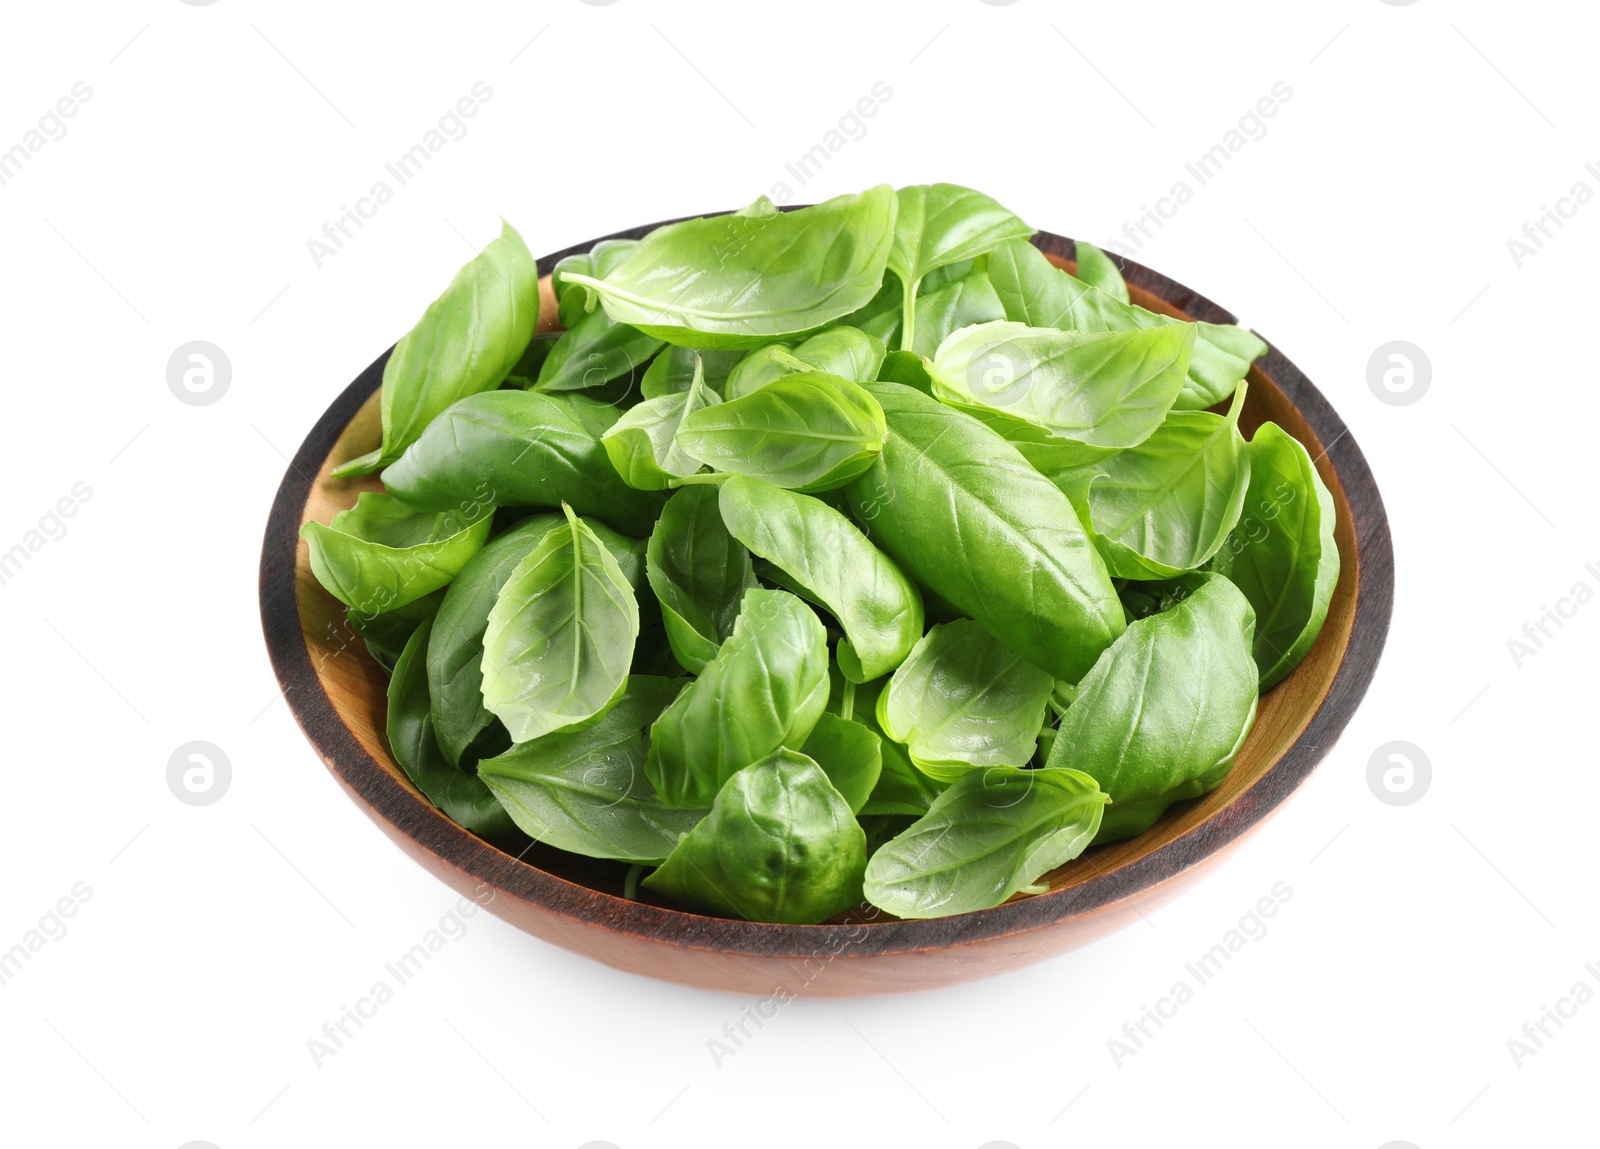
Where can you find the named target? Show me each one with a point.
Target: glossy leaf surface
(560, 636)
(780, 845)
(986, 837)
(1163, 713)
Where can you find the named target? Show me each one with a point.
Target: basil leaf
(673, 370)
(965, 515)
(743, 280)
(600, 260)
(901, 788)
(1104, 390)
(385, 634)
(561, 635)
(594, 351)
(849, 754)
(962, 700)
(986, 837)
(948, 299)
(455, 651)
(643, 444)
(526, 371)
(807, 432)
(383, 553)
(1282, 553)
(843, 351)
(585, 791)
(908, 369)
(595, 416)
(519, 449)
(763, 690)
(464, 798)
(780, 845)
(700, 575)
(1036, 292)
(466, 342)
(1167, 505)
(1163, 713)
(879, 608)
(1101, 272)
(963, 303)
(941, 224)
(760, 367)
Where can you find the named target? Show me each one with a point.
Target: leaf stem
(908, 316)
(630, 884)
(704, 479)
(790, 360)
(1238, 402)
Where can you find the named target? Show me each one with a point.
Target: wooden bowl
(337, 694)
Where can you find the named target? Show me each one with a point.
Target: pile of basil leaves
(853, 552)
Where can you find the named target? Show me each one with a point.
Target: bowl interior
(356, 685)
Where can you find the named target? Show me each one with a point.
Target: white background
(218, 940)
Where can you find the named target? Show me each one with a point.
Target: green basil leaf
(763, 690)
(941, 224)
(585, 791)
(807, 432)
(561, 635)
(600, 260)
(780, 845)
(964, 514)
(519, 449)
(1282, 554)
(1167, 505)
(986, 837)
(1036, 292)
(884, 327)
(901, 788)
(946, 302)
(383, 553)
(850, 755)
(1101, 272)
(962, 700)
(386, 633)
(760, 367)
(908, 369)
(878, 607)
(526, 371)
(1104, 390)
(743, 280)
(1163, 713)
(466, 342)
(884, 302)
(455, 651)
(673, 370)
(594, 351)
(843, 351)
(962, 303)
(1055, 456)
(700, 573)
(463, 797)
(643, 444)
(595, 416)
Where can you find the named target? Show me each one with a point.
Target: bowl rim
(453, 847)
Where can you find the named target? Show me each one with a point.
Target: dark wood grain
(336, 693)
